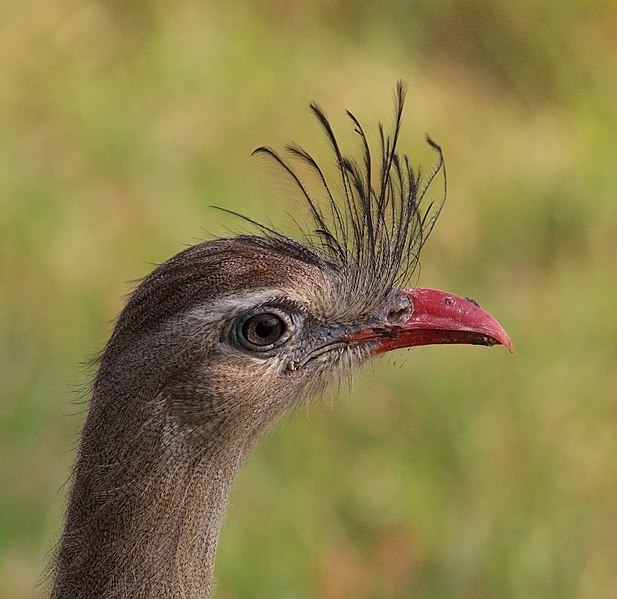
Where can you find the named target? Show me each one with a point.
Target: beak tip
(504, 339)
(498, 337)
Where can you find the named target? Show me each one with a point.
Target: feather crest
(369, 221)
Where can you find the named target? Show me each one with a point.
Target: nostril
(398, 314)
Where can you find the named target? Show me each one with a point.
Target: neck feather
(145, 510)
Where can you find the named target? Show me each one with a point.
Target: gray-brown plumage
(221, 340)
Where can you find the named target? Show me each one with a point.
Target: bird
(224, 338)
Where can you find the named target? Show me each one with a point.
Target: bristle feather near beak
(374, 234)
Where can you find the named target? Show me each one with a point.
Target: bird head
(218, 342)
(231, 333)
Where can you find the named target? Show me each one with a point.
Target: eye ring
(263, 330)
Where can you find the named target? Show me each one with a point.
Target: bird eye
(261, 331)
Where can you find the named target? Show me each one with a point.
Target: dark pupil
(262, 329)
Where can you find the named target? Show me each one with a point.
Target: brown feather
(177, 404)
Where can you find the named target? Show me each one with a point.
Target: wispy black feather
(374, 233)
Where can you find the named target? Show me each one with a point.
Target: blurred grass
(449, 472)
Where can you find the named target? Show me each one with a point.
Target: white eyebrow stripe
(234, 303)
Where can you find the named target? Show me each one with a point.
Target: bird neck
(144, 518)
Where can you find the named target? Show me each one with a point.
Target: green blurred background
(448, 471)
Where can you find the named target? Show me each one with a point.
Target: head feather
(368, 219)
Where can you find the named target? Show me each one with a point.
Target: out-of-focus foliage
(449, 471)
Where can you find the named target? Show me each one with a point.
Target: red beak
(437, 317)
